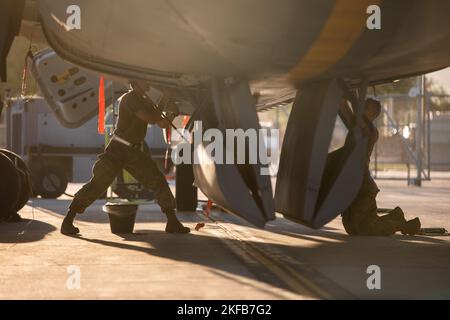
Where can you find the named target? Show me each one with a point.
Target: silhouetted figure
(361, 217)
(124, 151)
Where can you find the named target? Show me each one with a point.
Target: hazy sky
(442, 78)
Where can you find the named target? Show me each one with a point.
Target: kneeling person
(361, 217)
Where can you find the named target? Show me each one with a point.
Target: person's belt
(127, 143)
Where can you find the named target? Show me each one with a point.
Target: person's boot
(174, 225)
(67, 227)
(411, 227)
(395, 215)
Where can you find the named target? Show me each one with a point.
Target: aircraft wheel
(50, 182)
(24, 179)
(186, 193)
(9, 186)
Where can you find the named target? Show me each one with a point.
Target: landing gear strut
(314, 186)
(185, 191)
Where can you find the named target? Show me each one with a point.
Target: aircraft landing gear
(314, 186)
(238, 188)
(185, 191)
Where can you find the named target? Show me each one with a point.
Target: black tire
(9, 186)
(186, 193)
(24, 179)
(25, 190)
(50, 189)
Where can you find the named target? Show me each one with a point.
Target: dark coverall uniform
(118, 156)
(361, 216)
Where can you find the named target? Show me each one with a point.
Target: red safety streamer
(207, 210)
(101, 106)
(185, 121)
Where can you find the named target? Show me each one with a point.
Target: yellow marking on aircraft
(344, 26)
(62, 77)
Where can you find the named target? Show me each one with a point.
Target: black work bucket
(121, 217)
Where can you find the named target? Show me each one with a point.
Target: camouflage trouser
(139, 164)
(361, 219)
(361, 216)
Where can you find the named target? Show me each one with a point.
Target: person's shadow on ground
(24, 231)
(331, 247)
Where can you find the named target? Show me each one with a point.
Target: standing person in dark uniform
(124, 152)
(361, 217)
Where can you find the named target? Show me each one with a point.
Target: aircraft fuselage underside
(229, 59)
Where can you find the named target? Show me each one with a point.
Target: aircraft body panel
(70, 91)
(302, 40)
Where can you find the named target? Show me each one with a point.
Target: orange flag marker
(101, 106)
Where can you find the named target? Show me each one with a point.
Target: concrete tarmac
(228, 258)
